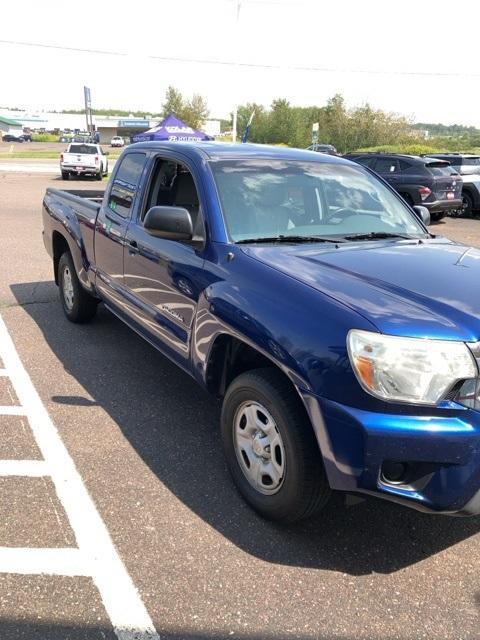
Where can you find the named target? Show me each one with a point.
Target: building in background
(106, 126)
(8, 126)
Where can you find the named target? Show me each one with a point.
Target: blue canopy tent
(172, 129)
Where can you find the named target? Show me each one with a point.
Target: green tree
(258, 130)
(173, 103)
(195, 111)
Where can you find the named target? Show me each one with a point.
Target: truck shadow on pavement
(173, 425)
(21, 630)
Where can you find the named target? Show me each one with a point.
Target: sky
(418, 58)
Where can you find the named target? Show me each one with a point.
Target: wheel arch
(59, 246)
(230, 356)
(473, 193)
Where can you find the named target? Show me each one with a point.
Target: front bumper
(356, 445)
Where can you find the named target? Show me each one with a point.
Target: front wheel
(78, 305)
(271, 449)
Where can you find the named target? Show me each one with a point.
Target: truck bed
(75, 210)
(86, 196)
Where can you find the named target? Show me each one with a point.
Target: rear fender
(62, 226)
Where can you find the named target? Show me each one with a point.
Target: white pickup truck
(81, 158)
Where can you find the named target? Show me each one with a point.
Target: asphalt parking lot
(167, 546)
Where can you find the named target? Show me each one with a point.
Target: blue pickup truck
(342, 336)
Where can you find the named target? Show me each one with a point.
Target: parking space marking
(52, 562)
(12, 411)
(29, 167)
(122, 602)
(31, 468)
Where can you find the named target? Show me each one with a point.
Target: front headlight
(408, 369)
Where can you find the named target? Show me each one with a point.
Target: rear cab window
(88, 149)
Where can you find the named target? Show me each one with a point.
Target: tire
(99, 175)
(65, 175)
(437, 216)
(78, 305)
(467, 204)
(297, 487)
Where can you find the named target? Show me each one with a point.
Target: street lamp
(236, 43)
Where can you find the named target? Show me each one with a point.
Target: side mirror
(172, 223)
(423, 213)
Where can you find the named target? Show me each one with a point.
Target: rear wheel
(65, 175)
(99, 175)
(271, 449)
(438, 215)
(78, 305)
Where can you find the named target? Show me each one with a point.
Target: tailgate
(79, 159)
(447, 183)
(448, 188)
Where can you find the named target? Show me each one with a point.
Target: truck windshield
(280, 198)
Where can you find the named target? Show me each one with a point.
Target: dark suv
(429, 182)
(468, 166)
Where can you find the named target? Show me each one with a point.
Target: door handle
(132, 247)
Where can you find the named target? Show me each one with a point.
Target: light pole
(236, 46)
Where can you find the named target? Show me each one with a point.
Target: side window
(366, 161)
(185, 195)
(161, 192)
(125, 184)
(172, 185)
(386, 166)
(404, 165)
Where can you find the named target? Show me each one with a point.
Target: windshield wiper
(293, 239)
(379, 235)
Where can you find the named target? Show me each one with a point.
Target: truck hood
(420, 289)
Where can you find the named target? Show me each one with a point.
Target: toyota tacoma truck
(342, 336)
(82, 158)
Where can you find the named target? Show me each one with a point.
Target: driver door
(164, 277)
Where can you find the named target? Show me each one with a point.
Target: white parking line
(29, 167)
(12, 411)
(32, 468)
(121, 599)
(53, 562)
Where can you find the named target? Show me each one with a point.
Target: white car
(84, 159)
(117, 141)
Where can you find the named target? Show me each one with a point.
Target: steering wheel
(343, 213)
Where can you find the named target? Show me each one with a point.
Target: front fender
(300, 329)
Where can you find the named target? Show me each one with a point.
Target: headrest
(185, 191)
(272, 195)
